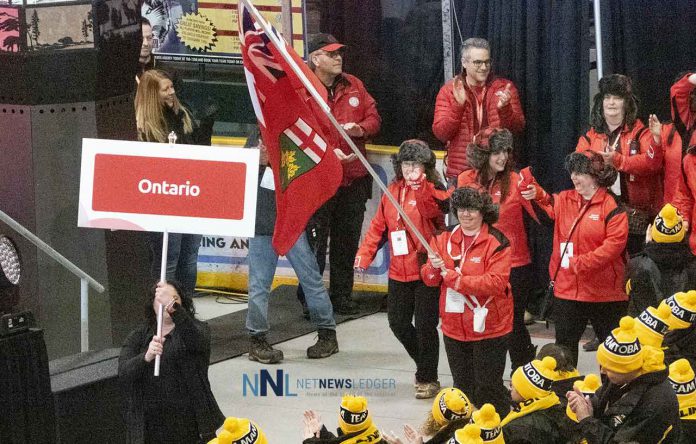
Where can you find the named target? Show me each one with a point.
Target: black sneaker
(261, 351)
(346, 307)
(326, 346)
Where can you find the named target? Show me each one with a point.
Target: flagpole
(280, 44)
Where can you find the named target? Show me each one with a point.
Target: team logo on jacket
(594, 217)
(354, 102)
(476, 259)
(618, 420)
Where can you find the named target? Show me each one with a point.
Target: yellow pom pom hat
(621, 351)
(668, 226)
(587, 387)
(534, 379)
(238, 431)
(683, 307)
(450, 404)
(469, 434)
(353, 414)
(682, 378)
(652, 324)
(488, 421)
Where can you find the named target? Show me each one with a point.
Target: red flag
(299, 136)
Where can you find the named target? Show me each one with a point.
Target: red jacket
(596, 269)
(485, 273)
(456, 125)
(352, 103)
(679, 94)
(671, 174)
(421, 207)
(684, 198)
(510, 221)
(640, 171)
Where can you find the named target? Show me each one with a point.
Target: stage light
(10, 263)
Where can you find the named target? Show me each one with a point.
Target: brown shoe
(427, 390)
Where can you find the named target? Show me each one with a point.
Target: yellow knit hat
(681, 376)
(353, 414)
(587, 387)
(668, 226)
(621, 351)
(470, 434)
(450, 404)
(652, 324)
(683, 307)
(488, 421)
(239, 430)
(534, 379)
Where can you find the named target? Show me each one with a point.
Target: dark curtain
(543, 47)
(651, 42)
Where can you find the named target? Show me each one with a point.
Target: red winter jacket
(456, 125)
(420, 205)
(596, 269)
(352, 103)
(510, 221)
(485, 273)
(640, 171)
(684, 198)
(672, 173)
(679, 94)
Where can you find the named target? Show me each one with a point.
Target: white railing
(86, 280)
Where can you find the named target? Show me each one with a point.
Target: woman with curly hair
(417, 187)
(588, 259)
(471, 265)
(158, 113)
(517, 193)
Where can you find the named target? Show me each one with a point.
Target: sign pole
(160, 309)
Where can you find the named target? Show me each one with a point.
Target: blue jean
(262, 265)
(182, 258)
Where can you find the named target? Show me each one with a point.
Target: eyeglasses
(333, 54)
(479, 63)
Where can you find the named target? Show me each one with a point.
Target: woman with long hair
(516, 193)
(159, 114)
(415, 186)
(178, 406)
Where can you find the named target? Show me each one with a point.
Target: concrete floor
(369, 354)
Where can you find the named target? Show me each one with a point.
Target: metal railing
(86, 280)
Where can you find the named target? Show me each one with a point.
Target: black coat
(183, 380)
(658, 272)
(688, 431)
(548, 426)
(642, 411)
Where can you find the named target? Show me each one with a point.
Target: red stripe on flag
(209, 5)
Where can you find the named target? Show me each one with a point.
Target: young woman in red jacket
(472, 268)
(588, 259)
(415, 188)
(514, 192)
(633, 149)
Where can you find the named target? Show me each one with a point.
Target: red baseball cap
(325, 42)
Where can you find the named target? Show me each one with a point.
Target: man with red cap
(341, 218)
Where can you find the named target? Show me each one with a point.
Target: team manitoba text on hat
(621, 351)
(681, 376)
(668, 226)
(239, 430)
(488, 421)
(450, 404)
(469, 434)
(652, 324)
(534, 379)
(325, 42)
(683, 307)
(353, 415)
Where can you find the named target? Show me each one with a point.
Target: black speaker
(87, 398)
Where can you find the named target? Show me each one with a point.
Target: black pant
(521, 348)
(477, 369)
(341, 219)
(422, 342)
(571, 320)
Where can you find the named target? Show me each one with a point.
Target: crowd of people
(622, 260)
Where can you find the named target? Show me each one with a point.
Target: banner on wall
(206, 31)
(179, 188)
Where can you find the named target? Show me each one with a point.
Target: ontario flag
(298, 135)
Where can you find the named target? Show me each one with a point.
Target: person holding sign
(472, 268)
(178, 406)
(160, 117)
(416, 186)
(588, 260)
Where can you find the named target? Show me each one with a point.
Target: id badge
(454, 301)
(399, 244)
(480, 314)
(565, 259)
